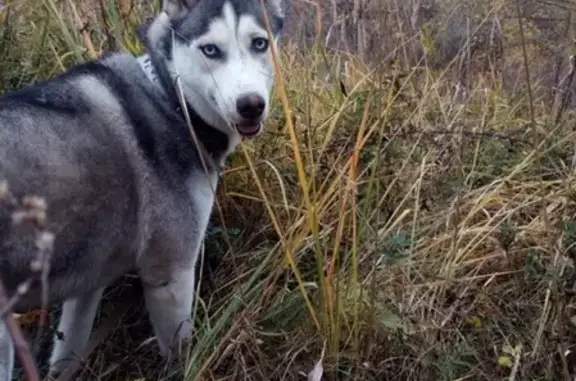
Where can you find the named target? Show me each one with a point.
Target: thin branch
(526, 65)
(20, 345)
(30, 210)
(564, 91)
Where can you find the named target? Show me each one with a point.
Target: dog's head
(220, 52)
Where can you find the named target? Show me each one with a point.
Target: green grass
(411, 236)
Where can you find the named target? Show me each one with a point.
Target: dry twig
(564, 91)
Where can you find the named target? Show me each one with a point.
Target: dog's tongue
(248, 129)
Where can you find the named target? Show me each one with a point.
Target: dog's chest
(201, 190)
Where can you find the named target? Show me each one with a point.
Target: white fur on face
(213, 86)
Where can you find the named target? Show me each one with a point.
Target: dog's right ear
(175, 9)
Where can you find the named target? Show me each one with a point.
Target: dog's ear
(177, 8)
(277, 6)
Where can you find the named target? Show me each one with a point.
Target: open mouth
(249, 129)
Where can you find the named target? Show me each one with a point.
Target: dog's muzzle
(250, 107)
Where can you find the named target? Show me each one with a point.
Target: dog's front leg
(6, 353)
(169, 304)
(73, 330)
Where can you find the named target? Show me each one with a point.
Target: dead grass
(413, 233)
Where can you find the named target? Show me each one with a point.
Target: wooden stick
(20, 345)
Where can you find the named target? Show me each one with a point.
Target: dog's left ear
(177, 8)
(277, 7)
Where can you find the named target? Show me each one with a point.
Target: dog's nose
(250, 106)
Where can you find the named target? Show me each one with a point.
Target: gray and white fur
(106, 144)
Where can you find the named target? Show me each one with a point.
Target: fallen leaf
(40, 317)
(475, 321)
(505, 361)
(390, 320)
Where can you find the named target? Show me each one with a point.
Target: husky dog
(111, 145)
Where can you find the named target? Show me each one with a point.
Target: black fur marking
(45, 96)
(215, 141)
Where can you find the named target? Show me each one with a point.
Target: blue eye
(259, 44)
(211, 51)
